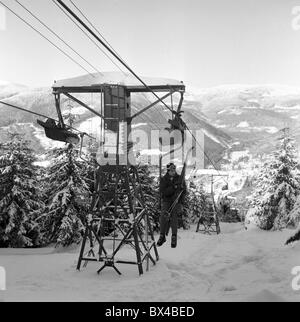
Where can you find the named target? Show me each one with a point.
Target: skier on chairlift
(170, 187)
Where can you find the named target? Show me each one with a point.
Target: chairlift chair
(54, 132)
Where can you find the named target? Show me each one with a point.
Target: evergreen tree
(277, 187)
(19, 194)
(196, 202)
(68, 197)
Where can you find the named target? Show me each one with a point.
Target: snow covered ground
(237, 265)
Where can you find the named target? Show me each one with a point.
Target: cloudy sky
(202, 42)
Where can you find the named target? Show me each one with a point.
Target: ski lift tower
(118, 202)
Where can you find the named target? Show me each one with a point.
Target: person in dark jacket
(170, 186)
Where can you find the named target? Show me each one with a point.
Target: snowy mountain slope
(9, 89)
(233, 117)
(29, 132)
(268, 95)
(251, 114)
(237, 265)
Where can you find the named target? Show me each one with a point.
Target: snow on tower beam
(94, 83)
(131, 89)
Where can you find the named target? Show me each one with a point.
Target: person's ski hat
(171, 165)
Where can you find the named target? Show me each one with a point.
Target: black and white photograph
(149, 153)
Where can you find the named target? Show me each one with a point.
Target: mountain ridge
(41, 100)
(233, 116)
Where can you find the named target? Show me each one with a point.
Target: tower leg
(137, 249)
(153, 241)
(82, 247)
(119, 200)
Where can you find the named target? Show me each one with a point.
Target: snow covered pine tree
(68, 192)
(19, 194)
(277, 187)
(196, 202)
(295, 218)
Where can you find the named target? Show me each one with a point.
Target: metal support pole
(58, 110)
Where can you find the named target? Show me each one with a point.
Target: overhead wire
(43, 36)
(28, 111)
(85, 33)
(93, 26)
(88, 20)
(57, 36)
(48, 28)
(111, 51)
(111, 47)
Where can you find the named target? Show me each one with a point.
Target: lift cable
(86, 34)
(28, 111)
(93, 26)
(55, 34)
(44, 116)
(51, 42)
(119, 56)
(111, 51)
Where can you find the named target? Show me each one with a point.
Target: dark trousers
(164, 218)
